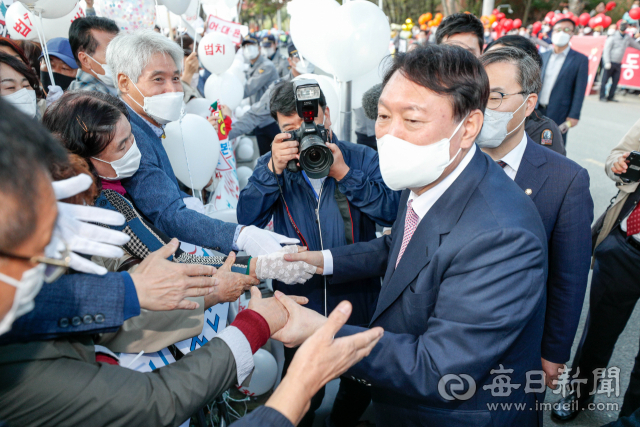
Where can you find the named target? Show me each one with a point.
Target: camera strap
(286, 207)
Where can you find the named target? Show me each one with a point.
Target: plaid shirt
(85, 81)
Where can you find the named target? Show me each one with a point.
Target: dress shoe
(570, 406)
(604, 100)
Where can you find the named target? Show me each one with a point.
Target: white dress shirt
(514, 157)
(551, 75)
(421, 203)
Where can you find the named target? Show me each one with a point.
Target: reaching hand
(74, 227)
(163, 285)
(256, 241)
(274, 266)
(272, 310)
(301, 324)
(314, 258)
(320, 359)
(229, 285)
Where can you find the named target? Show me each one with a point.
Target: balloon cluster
(499, 22)
(428, 20)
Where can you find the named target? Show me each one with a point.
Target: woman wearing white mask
(19, 86)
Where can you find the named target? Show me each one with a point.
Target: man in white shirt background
(559, 188)
(565, 73)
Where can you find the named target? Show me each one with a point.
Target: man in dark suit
(559, 187)
(463, 297)
(565, 73)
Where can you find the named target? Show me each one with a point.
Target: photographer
(615, 286)
(339, 209)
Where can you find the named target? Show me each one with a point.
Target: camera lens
(315, 157)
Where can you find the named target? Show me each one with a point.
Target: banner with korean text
(232, 29)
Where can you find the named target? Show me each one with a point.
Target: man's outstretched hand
(301, 323)
(314, 258)
(229, 285)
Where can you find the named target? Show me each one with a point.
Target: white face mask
(26, 290)
(494, 128)
(163, 108)
(406, 165)
(268, 51)
(306, 68)
(250, 52)
(560, 39)
(107, 77)
(126, 166)
(24, 100)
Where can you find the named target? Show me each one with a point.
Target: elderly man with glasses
(558, 187)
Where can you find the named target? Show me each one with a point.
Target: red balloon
(508, 24)
(500, 16)
(635, 13)
(584, 19)
(611, 5)
(537, 26)
(550, 15)
(606, 21)
(495, 11)
(554, 20)
(517, 23)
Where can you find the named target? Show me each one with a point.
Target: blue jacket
(468, 297)
(560, 190)
(77, 304)
(570, 86)
(155, 191)
(369, 201)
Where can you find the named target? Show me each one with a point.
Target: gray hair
(529, 71)
(129, 54)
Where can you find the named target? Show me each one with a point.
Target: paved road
(601, 128)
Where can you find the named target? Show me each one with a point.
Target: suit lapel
(425, 241)
(530, 177)
(545, 61)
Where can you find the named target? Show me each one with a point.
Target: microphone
(370, 101)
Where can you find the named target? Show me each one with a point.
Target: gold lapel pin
(528, 191)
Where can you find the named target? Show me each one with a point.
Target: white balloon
(216, 52)
(362, 84)
(193, 149)
(50, 9)
(60, 27)
(330, 91)
(309, 21)
(163, 16)
(224, 88)
(245, 150)
(176, 6)
(199, 106)
(226, 215)
(244, 173)
(241, 111)
(237, 67)
(220, 9)
(355, 36)
(264, 374)
(191, 14)
(20, 23)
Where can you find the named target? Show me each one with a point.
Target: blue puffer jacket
(368, 201)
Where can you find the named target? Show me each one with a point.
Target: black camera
(315, 157)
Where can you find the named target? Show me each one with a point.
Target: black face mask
(61, 80)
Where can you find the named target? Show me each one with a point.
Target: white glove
(256, 241)
(74, 227)
(274, 266)
(55, 92)
(607, 66)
